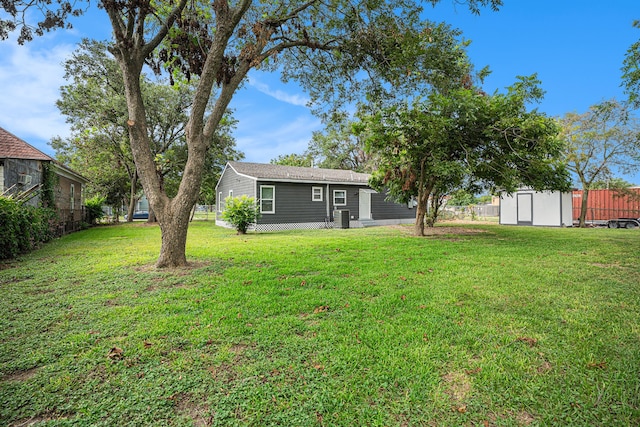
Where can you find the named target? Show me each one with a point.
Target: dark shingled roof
(12, 147)
(295, 173)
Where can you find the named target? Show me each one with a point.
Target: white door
(525, 209)
(364, 203)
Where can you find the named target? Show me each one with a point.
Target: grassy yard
(477, 325)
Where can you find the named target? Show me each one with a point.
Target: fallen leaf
(403, 297)
(597, 365)
(147, 344)
(530, 341)
(321, 309)
(115, 353)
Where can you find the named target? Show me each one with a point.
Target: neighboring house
(529, 207)
(21, 170)
(292, 197)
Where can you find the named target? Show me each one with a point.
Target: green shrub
(23, 228)
(241, 212)
(94, 209)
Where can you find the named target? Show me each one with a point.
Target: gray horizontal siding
(353, 205)
(382, 209)
(231, 181)
(293, 204)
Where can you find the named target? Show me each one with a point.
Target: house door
(525, 209)
(364, 203)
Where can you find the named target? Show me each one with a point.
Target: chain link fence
(470, 213)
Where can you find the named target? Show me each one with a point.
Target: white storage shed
(529, 207)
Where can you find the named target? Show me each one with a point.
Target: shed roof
(296, 173)
(12, 147)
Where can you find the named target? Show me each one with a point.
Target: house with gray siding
(292, 197)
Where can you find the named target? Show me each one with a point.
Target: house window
(267, 199)
(316, 194)
(339, 197)
(230, 193)
(72, 197)
(220, 202)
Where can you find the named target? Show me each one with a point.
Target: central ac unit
(24, 179)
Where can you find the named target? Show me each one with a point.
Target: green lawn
(479, 325)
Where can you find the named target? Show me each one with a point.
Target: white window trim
(230, 193)
(72, 197)
(220, 201)
(334, 197)
(273, 199)
(313, 194)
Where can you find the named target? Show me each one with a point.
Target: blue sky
(576, 47)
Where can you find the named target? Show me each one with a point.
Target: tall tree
(95, 105)
(463, 137)
(302, 160)
(631, 71)
(601, 142)
(338, 147)
(322, 44)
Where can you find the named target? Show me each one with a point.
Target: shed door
(525, 209)
(364, 203)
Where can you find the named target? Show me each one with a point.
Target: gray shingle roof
(295, 173)
(12, 147)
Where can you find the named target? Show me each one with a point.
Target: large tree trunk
(131, 52)
(421, 212)
(174, 240)
(132, 197)
(583, 207)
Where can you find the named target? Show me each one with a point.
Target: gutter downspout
(328, 205)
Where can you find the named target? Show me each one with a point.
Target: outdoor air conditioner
(24, 179)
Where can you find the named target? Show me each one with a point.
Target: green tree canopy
(95, 106)
(302, 160)
(464, 138)
(600, 143)
(631, 71)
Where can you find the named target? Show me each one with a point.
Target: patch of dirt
(194, 410)
(597, 264)
(178, 271)
(544, 367)
(458, 386)
(20, 375)
(27, 422)
(439, 230)
(524, 418)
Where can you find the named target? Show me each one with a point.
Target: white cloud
(31, 76)
(297, 99)
(261, 144)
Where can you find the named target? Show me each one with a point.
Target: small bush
(94, 209)
(23, 227)
(241, 212)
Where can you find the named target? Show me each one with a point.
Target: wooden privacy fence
(603, 205)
